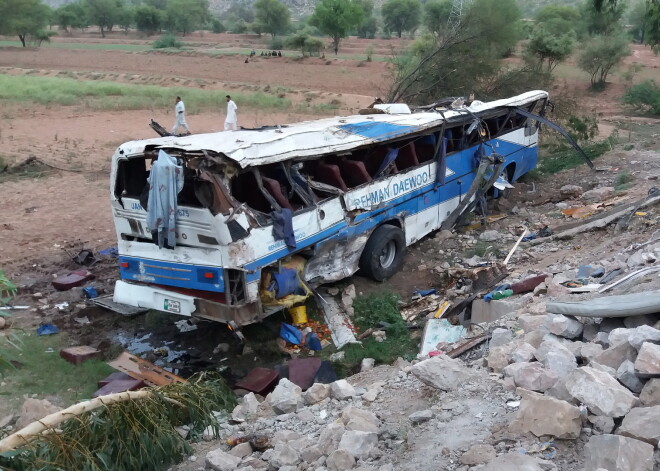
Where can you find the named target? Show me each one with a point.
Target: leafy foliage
(436, 15)
(167, 41)
(603, 18)
(401, 15)
(71, 15)
(272, 15)
(186, 16)
(548, 48)
(644, 97)
(7, 289)
(336, 18)
(148, 19)
(103, 13)
(602, 54)
(23, 18)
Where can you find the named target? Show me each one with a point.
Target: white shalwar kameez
(180, 112)
(231, 121)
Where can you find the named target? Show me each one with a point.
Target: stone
(533, 416)
(615, 355)
(626, 376)
(316, 393)
(563, 326)
(250, 404)
(597, 194)
(518, 462)
(606, 369)
(342, 390)
(648, 360)
(556, 358)
(33, 410)
(483, 311)
(643, 333)
(642, 423)
(559, 391)
(284, 436)
(600, 392)
(650, 395)
(619, 336)
(219, 460)
(311, 454)
(571, 191)
(490, 236)
(499, 357)
(284, 455)
(367, 364)
(351, 412)
(633, 322)
(589, 332)
(330, 437)
(441, 372)
(601, 424)
(359, 444)
(500, 337)
(362, 425)
(524, 353)
(540, 289)
(510, 370)
(536, 337)
(617, 453)
(530, 322)
(478, 454)
(339, 460)
(534, 377)
(603, 339)
(590, 351)
(286, 398)
(420, 416)
(241, 450)
(347, 297)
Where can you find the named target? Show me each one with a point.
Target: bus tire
(383, 253)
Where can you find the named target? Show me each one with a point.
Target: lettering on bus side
(182, 213)
(396, 187)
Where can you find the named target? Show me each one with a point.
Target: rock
(643, 333)
(530, 322)
(633, 322)
(650, 395)
(602, 424)
(516, 462)
(571, 191)
(342, 390)
(33, 410)
(510, 370)
(597, 194)
(250, 404)
(284, 436)
(590, 351)
(490, 236)
(615, 355)
(218, 460)
(524, 353)
(500, 337)
(441, 372)
(617, 453)
(556, 290)
(478, 454)
(603, 339)
(600, 392)
(316, 393)
(559, 391)
(534, 377)
(339, 460)
(642, 423)
(359, 444)
(360, 419)
(556, 357)
(563, 326)
(540, 289)
(284, 455)
(330, 437)
(606, 369)
(536, 337)
(241, 450)
(499, 357)
(589, 332)
(648, 360)
(8, 419)
(619, 336)
(626, 375)
(420, 416)
(367, 364)
(311, 454)
(286, 397)
(564, 422)
(347, 296)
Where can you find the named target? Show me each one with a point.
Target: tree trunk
(102, 32)
(335, 42)
(399, 33)
(22, 38)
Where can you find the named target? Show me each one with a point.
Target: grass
(105, 96)
(86, 46)
(567, 158)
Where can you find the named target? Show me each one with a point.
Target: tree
(126, 18)
(652, 26)
(436, 15)
(148, 19)
(185, 16)
(272, 15)
(23, 18)
(297, 41)
(401, 15)
(601, 55)
(603, 17)
(336, 18)
(71, 15)
(549, 48)
(369, 25)
(103, 13)
(560, 19)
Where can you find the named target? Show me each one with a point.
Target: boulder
(571, 191)
(590, 351)
(626, 376)
(534, 377)
(643, 333)
(589, 332)
(616, 354)
(420, 416)
(650, 395)
(342, 390)
(330, 437)
(360, 419)
(478, 454)
(442, 372)
(284, 436)
(359, 444)
(500, 337)
(241, 450)
(601, 424)
(311, 454)
(490, 236)
(648, 360)
(286, 397)
(33, 410)
(603, 339)
(597, 194)
(600, 392)
(559, 391)
(563, 326)
(499, 357)
(619, 336)
(642, 423)
(284, 455)
(529, 322)
(524, 353)
(533, 416)
(316, 393)
(367, 364)
(556, 357)
(339, 460)
(536, 337)
(617, 453)
(606, 369)
(250, 404)
(515, 461)
(218, 460)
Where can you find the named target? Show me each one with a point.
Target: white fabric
(231, 113)
(180, 118)
(230, 126)
(165, 183)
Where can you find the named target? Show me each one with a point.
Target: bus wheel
(384, 252)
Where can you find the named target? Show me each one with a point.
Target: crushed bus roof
(310, 138)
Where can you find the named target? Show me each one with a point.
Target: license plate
(172, 306)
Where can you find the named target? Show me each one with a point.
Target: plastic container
(299, 314)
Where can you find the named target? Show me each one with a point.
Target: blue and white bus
(334, 195)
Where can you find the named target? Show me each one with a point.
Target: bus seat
(374, 159)
(425, 148)
(330, 174)
(407, 157)
(354, 172)
(273, 187)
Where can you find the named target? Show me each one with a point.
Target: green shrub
(276, 43)
(167, 41)
(644, 97)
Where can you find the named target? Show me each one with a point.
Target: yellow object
(640, 213)
(441, 310)
(299, 314)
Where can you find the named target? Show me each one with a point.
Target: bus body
(358, 190)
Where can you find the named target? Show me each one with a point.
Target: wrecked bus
(321, 198)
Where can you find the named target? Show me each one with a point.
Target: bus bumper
(150, 297)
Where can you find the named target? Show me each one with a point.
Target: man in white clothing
(231, 121)
(180, 116)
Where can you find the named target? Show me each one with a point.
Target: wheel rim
(387, 254)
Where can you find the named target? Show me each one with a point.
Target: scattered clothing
(180, 116)
(283, 226)
(165, 183)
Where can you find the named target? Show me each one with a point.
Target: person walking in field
(180, 117)
(231, 121)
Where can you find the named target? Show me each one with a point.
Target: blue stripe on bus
(377, 131)
(182, 275)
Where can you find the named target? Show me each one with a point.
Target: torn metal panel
(339, 325)
(335, 259)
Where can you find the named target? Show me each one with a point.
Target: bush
(167, 41)
(276, 43)
(217, 26)
(644, 97)
(601, 55)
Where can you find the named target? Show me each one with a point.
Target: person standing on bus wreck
(231, 121)
(180, 116)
